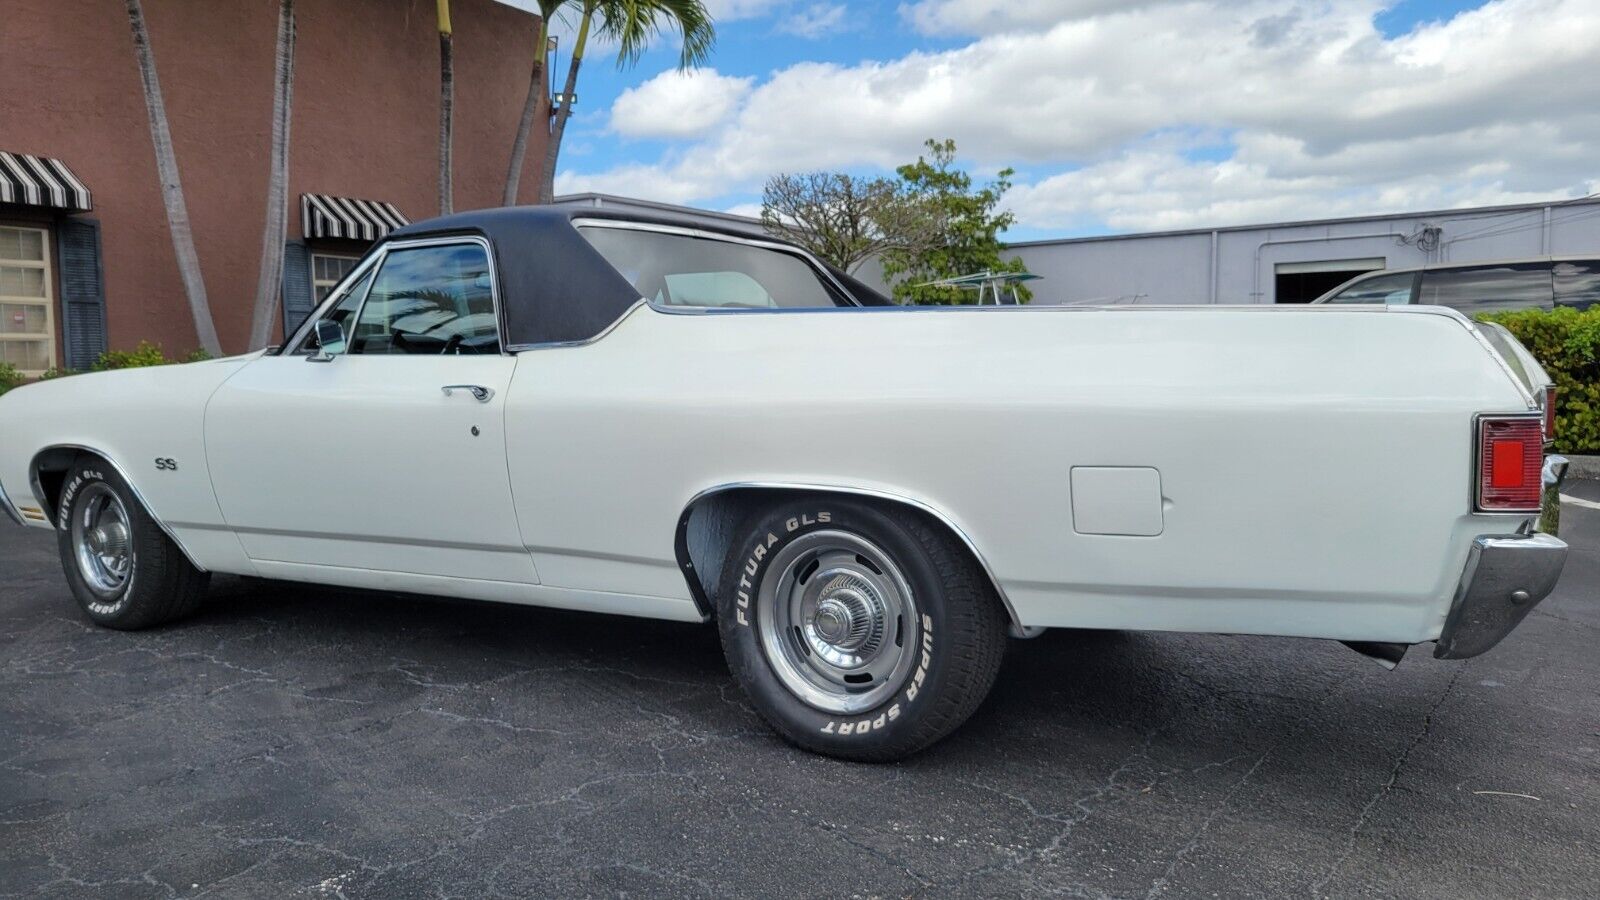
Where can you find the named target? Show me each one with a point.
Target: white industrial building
(1288, 262)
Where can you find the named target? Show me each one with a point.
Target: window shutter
(298, 301)
(83, 294)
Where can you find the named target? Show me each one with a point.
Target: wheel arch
(47, 471)
(706, 532)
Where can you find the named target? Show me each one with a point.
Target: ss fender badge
(166, 464)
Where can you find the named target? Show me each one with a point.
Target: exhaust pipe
(1383, 653)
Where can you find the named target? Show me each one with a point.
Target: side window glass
(1489, 288)
(1577, 284)
(343, 311)
(1392, 289)
(436, 300)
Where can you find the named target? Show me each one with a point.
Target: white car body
(1264, 470)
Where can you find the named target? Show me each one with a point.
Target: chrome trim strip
(1472, 329)
(603, 557)
(10, 508)
(554, 345)
(1477, 464)
(38, 493)
(999, 589)
(682, 231)
(357, 538)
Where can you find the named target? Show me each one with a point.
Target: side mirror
(330, 341)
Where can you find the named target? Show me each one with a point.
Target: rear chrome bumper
(1506, 576)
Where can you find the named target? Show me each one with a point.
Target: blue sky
(1118, 115)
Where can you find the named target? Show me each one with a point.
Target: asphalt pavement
(295, 741)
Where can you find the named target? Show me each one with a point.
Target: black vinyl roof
(555, 287)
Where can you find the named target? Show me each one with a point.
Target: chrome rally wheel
(858, 629)
(838, 621)
(102, 541)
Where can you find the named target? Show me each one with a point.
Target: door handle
(481, 393)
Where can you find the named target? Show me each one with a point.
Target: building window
(27, 320)
(328, 270)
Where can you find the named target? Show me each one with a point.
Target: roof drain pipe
(1381, 652)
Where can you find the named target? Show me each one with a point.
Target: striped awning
(40, 181)
(326, 216)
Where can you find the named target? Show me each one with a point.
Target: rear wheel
(122, 568)
(858, 633)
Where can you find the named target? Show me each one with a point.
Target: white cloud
(814, 21)
(1105, 111)
(678, 104)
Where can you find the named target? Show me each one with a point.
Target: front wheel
(858, 632)
(122, 568)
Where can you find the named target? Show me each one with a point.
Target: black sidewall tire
(911, 717)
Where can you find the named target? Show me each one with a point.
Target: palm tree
(194, 287)
(632, 24)
(538, 100)
(447, 101)
(270, 283)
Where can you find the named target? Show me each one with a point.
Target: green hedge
(1567, 343)
(146, 354)
(9, 377)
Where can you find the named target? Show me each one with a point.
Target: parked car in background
(652, 417)
(1479, 287)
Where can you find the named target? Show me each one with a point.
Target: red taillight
(1550, 413)
(1510, 459)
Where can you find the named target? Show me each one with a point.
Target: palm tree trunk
(537, 98)
(269, 286)
(552, 150)
(447, 100)
(194, 286)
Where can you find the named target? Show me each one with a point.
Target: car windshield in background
(1394, 289)
(687, 271)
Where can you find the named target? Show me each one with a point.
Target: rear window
(1475, 290)
(687, 271)
(1577, 284)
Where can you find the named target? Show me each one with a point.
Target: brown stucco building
(364, 126)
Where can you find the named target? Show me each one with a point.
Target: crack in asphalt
(1386, 786)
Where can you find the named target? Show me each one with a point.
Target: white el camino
(650, 418)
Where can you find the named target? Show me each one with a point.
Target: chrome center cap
(833, 621)
(109, 539)
(847, 624)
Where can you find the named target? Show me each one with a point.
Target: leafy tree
(840, 218)
(961, 224)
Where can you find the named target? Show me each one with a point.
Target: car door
(390, 455)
